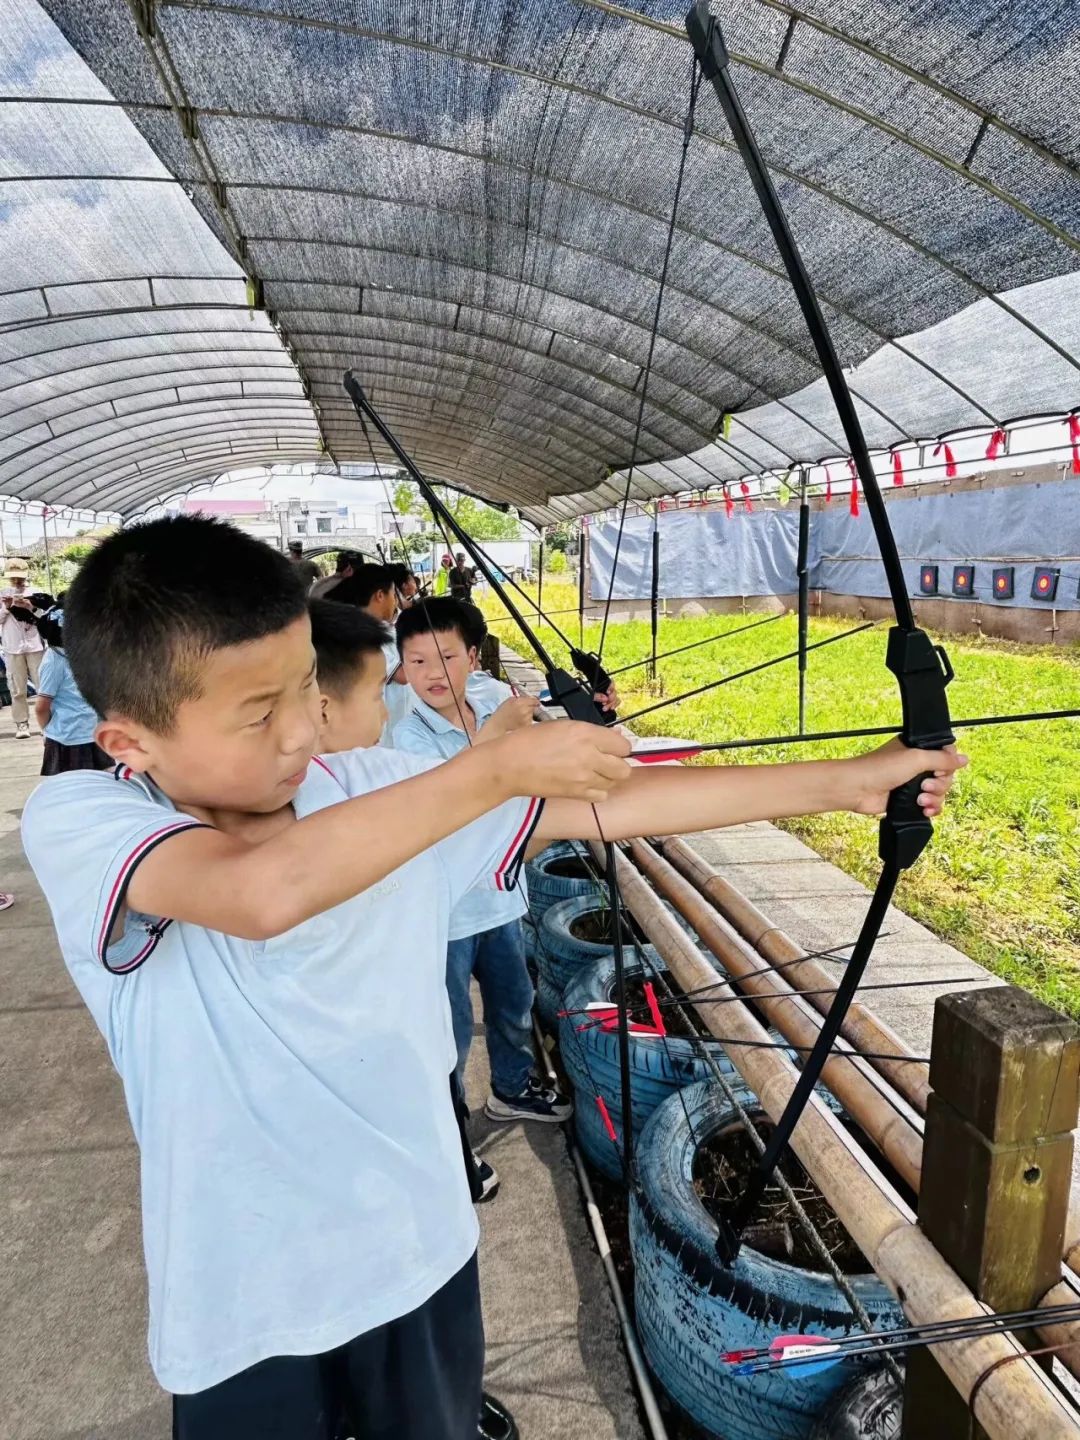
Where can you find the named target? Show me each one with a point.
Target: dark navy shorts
(418, 1378)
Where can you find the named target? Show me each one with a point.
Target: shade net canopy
(229, 204)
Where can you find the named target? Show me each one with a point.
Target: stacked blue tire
(590, 1055)
(691, 1308)
(547, 888)
(560, 954)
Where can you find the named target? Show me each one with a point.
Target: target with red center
(1044, 583)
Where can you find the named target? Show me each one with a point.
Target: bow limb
(921, 668)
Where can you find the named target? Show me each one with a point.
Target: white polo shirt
(302, 1176)
(425, 732)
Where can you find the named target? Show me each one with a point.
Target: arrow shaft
(677, 751)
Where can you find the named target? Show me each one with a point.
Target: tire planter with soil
(590, 1056)
(557, 873)
(691, 1308)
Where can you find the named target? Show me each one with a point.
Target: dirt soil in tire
(721, 1167)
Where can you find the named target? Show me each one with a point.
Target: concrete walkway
(73, 1344)
(820, 906)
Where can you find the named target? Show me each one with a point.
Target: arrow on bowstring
(810, 1354)
(921, 668)
(647, 754)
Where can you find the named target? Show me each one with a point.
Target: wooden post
(997, 1167)
(489, 656)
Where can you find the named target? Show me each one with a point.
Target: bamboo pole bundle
(1014, 1402)
(862, 1028)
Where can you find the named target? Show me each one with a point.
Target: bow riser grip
(589, 665)
(572, 696)
(922, 672)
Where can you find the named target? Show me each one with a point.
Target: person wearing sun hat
(19, 639)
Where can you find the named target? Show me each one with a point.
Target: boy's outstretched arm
(255, 890)
(667, 800)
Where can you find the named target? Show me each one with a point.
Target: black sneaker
(538, 1101)
(489, 1180)
(495, 1422)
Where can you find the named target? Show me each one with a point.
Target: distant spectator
(347, 563)
(442, 576)
(462, 578)
(63, 716)
(22, 646)
(307, 568)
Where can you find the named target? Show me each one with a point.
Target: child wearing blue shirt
(260, 934)
(63, 716)
(451, 713)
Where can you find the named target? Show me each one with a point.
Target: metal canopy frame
(495, 280)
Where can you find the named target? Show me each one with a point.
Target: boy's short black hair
(401, 573)
(343, 636)
(365, 581)
(50, 631)
(438, 617)
(347, 559)
(153, 602)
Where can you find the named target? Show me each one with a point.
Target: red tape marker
(606, 1118)
(654, 1008)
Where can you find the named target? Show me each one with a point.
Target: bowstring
(688, 130)
(420, 593)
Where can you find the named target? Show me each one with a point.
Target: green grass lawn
(1002, 877)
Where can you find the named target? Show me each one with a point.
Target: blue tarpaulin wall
(703, 553)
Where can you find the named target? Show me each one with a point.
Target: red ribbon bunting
(729, 504)
(1074, 439)
(853, 506)
(748, 504)
(828, 484)
(897, 468)
(950, 463)
(997, 440)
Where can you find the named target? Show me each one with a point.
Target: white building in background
(322, 520)
(322, 511)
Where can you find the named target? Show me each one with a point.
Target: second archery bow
(921, 668)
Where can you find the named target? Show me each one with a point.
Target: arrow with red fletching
(811, 1354)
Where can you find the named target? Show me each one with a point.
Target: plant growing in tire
(690, 1308)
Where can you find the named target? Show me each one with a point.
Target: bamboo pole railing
(862, 1028)
(788, 1013)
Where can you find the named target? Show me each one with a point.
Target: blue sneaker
(538, 1101)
